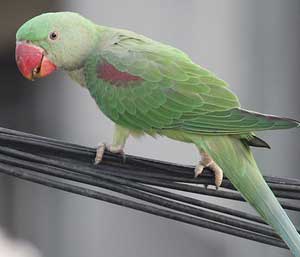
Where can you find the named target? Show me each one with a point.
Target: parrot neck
(77, 76)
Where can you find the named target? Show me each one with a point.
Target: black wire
(122, 171)
(123, 186)
(189, 200)
(56, 145)
(27, 175)
(23, 155)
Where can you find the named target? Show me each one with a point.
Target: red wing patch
(109, 73)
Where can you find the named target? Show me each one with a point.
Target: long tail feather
(238, 164)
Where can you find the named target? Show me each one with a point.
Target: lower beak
(32, 61)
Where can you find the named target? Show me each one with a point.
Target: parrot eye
(53, 35)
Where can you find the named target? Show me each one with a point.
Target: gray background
(253, 45)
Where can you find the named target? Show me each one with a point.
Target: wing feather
(173, 93)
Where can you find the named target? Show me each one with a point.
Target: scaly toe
(198, 170)
(117, 149)
(218, 179)
(218, 174)
(99, 153)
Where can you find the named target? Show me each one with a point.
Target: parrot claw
(199, 169)
(117, 149)
(99, 153)
(111, 148)
(218, 174)
(208, 162)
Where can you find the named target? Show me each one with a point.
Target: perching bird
(146, 87)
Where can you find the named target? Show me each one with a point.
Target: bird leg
(208, 162)
(111, 148)
(119, 139)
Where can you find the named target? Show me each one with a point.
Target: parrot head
(53, 40)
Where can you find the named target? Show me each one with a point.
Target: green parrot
(146, 87)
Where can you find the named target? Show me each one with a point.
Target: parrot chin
(32, 61)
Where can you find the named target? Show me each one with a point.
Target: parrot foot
(111, 148)
(208, 162)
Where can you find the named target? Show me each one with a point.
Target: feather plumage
(148, 87)
(161, 79)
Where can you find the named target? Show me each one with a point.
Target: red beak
(32, 61)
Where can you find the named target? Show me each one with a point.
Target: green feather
(171, 81)
(240, 167)
(172, 96)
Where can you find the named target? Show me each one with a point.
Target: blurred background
(253, 45)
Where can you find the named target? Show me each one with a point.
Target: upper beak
(32, 61)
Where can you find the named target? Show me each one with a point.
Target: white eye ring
(53, 35)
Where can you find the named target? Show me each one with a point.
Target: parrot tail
(238, 164)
